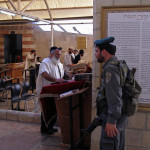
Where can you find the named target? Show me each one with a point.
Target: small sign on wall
(81, 42)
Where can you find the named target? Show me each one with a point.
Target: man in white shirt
(30, 62)
(68, 59)
(51, 70)
(30, 59)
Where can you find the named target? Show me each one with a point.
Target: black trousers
(32, 78)
(37, 69)
(117, 142)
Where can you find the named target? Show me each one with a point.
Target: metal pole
(52, 35)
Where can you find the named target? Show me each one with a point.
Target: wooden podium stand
(73, 110)
(74, 115)
(16, 70)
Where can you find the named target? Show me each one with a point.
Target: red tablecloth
(48, 103)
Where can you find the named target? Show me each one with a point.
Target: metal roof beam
(18, 2)
(12, 4)
(4, 1)
(50, 14)
(8, 5)
(25, 15)
(51, 18)
(61, 27)
(86, 7)
(25, 8)
(75, 29)
(71, 18)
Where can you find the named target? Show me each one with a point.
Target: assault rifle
(96, 122)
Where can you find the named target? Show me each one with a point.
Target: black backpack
(130, 87)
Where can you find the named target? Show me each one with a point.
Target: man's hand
(111, 130)
(60, 80)
(50, 78)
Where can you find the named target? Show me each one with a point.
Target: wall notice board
(131, 28)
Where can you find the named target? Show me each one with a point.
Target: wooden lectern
(16, 70)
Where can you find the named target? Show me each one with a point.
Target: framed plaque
(131, 28)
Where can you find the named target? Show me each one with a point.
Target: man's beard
(101, 59)
(55, 60)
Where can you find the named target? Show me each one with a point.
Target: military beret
(106, 44)
(104, 41)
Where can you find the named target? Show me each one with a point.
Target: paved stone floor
(27, 136)
(16, 135)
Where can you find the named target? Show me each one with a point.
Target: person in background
(51, 70)
(74, 54)
(78, 57)
(68, 59)
(38, 59)
(109, 100)
(30, 59)
(30, 63)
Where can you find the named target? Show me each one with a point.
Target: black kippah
(54, 47)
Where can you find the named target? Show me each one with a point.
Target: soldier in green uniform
(110, 97)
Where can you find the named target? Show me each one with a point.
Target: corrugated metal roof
(59, 9)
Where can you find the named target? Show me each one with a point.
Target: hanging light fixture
(8, 13)
(24, 17)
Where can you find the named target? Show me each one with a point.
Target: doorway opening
(12, 48)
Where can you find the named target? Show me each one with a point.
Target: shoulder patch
(107, 77)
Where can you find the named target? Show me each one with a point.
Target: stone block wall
(138, 131)
(20, 116)
(64, 40)
(28, 41)
(33, 37)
